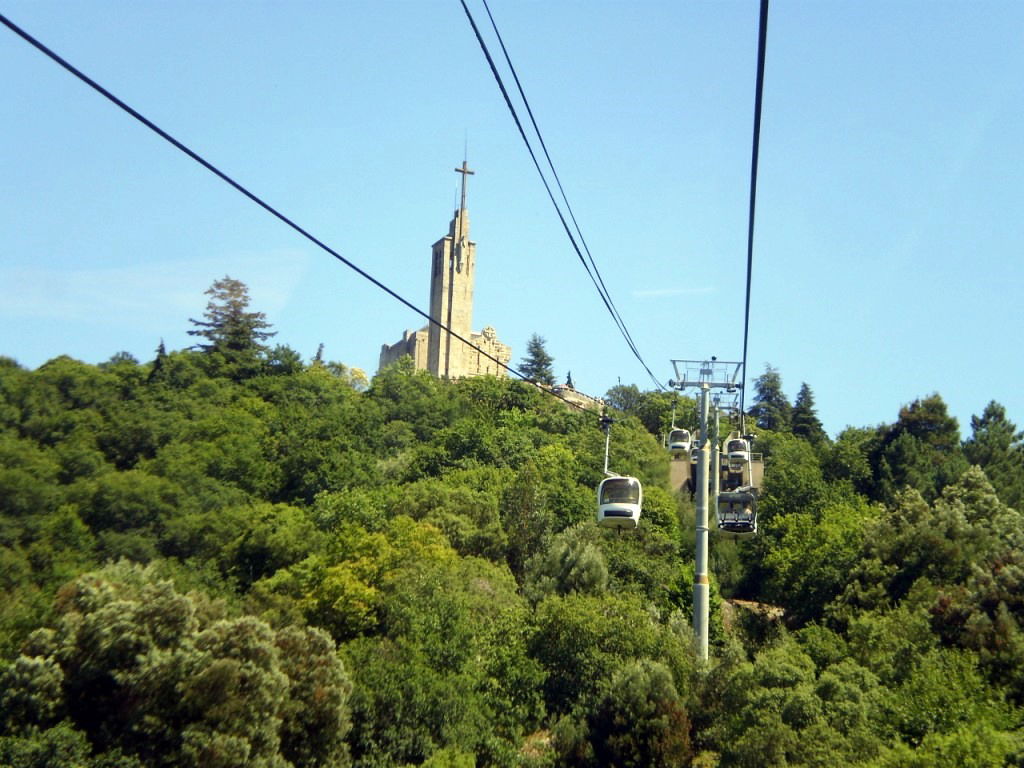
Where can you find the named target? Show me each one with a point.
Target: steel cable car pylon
(704, 375)
(619, 497)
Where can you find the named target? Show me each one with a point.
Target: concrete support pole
(716, 464)
(701, 585)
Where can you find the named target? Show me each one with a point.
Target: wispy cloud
(146, 291)
(660, 293)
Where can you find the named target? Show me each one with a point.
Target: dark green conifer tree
(771, 409)
(805, 422)
(536, 366)
(158, 363)
(234, 336)
(996, 446)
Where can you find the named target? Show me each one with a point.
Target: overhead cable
(603, 289)
(254, 198)
(515, 116)
(762, 38)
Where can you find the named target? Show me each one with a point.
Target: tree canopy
(257, 560)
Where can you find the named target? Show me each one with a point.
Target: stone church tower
(453, 263)
(452, 268)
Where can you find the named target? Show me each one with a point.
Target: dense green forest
(229, 556)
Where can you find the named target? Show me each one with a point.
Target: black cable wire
(762, 38)
(529, 147)
(551, 196)
(599, 281)
(526, 102)
(266, 206)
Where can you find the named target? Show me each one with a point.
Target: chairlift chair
(737, 512)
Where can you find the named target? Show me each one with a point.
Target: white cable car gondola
(737, 450)
(679, 440)
(737, 511)
(618, 502)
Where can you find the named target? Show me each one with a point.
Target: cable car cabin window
(620, 490)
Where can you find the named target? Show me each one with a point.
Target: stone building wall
(473, 362)
(476, 364)
(412, 343)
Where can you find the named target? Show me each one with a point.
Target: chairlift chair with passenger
(737, 512)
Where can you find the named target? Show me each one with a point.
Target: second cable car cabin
(740, 467)
(740, 482)
(679, 441)
(737, 449)
(618, 502)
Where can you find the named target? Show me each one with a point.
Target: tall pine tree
(996, 446)
(771, 410)
(536, 365)
(234, 336)
(804, 420)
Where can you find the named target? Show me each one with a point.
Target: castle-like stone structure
(453, 263)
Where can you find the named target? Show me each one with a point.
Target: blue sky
(889, 236)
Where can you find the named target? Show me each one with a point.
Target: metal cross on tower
(460, 217)
(464, 170)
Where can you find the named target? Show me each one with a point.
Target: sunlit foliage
(231, 557)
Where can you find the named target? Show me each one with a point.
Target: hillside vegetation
(231, 557)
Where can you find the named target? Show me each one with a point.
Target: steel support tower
(705, 376)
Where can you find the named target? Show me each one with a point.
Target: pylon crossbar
(711, 374)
